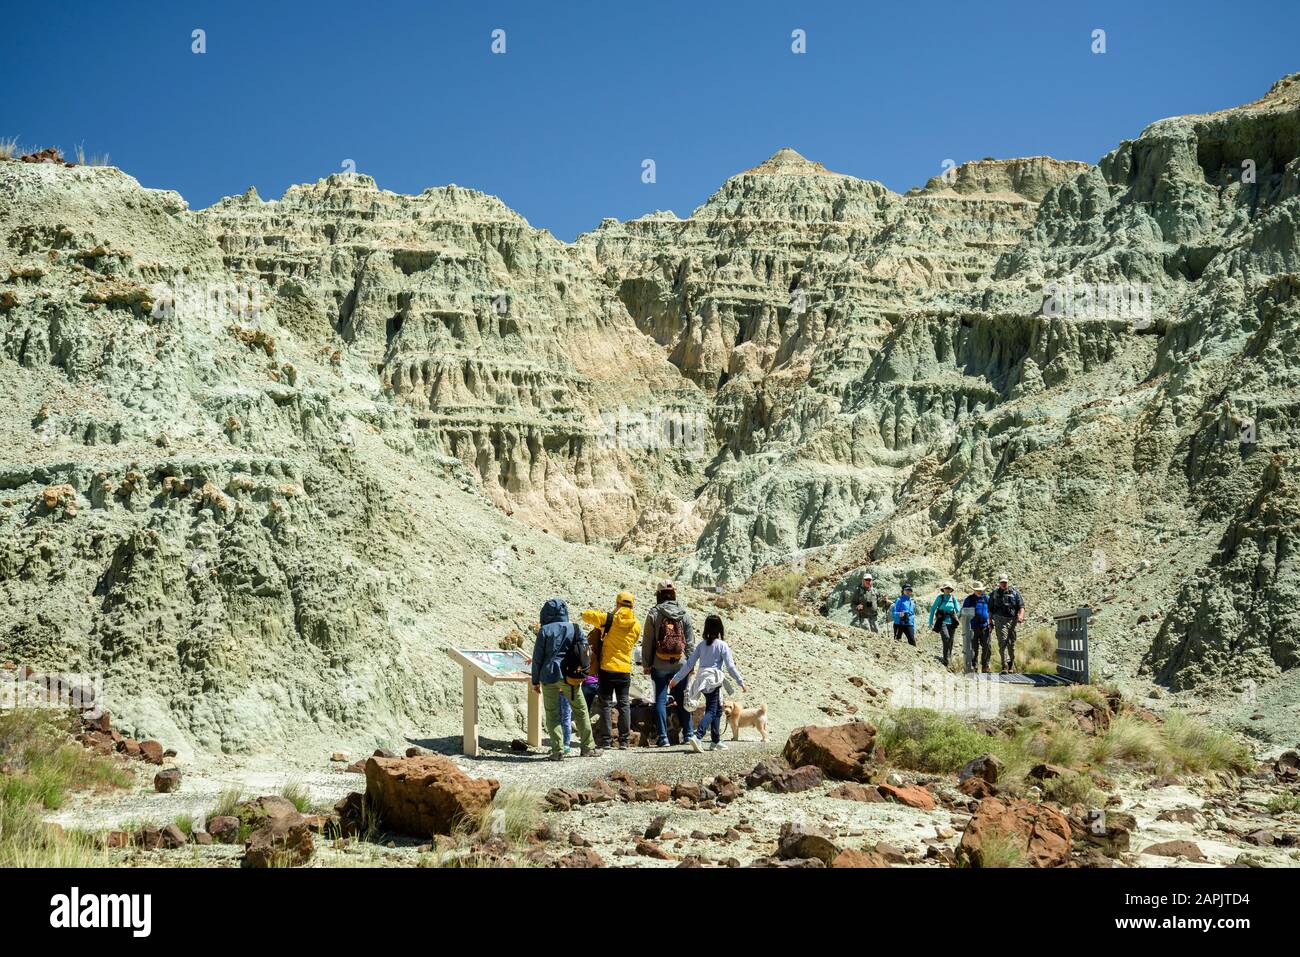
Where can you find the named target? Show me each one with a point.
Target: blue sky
(558, 126)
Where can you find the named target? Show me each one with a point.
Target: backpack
(597, 641)
(670, 639)
(576, 662)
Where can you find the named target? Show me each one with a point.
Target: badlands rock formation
(261, 463)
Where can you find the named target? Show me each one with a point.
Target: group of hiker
(982, 615)
(575, 672)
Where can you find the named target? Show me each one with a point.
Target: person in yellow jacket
(620, 633)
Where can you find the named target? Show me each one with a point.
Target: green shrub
(41, 766)
(296, 792)
(1285, 803)
(925, 740)
(1192, 746)
(1071, 788)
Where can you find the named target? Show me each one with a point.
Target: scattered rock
(853, 791)
(151, 751)
(167, 780)
(650, 849)
(986, 766)
(1184, 849)
(793, 780)
(656, 827)
(1039, 832)
(798, 841)
(911, 796)
(842, 751)
(224, 829)
(283, 841)
(425, 795)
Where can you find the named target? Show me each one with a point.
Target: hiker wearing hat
(944, 615)
(866, 604)
(667, 640)
(905, 616)
(614, 636)
(978, 603)
(1008, 610)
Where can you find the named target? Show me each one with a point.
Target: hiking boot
(695, 744)
(717, 746)
(591, 752)
(622, 745)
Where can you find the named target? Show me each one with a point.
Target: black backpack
(576, 663)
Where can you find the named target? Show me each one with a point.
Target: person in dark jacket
(554, 638)
(667, 639)
(1007, 610)
(867, 599)
(978, 602)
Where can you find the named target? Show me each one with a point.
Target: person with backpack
(978, 603)
(615, 636)
(1008, 610)
(866, 604)
(904, 612)
(561, 661)
(713, 656)
(667, 639)
(944, 617)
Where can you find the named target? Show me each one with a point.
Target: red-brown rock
(911, 796)
(224, 829)
(1039, 832)
(151, 751)
(842, 751)
(853, 791)
(281, 842)
(1185, 849)
(425, 795)
(851, 858)
(167, 780)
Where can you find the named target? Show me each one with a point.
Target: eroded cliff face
(259, 459)
(505, 349)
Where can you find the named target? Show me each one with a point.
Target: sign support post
(493, 666)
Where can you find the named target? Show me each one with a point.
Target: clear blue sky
(558, 126)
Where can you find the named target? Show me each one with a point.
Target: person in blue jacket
(944, 616)
(554, 637)
(978, 602)
(905, 616)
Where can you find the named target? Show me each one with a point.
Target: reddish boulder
(172, 837)
(581, 857)
(117, 839)
(167, 780)
(852, 858)
(426, 795)
(911, 796)
(977, 788)
(281, 842)
(986, 767)
(1184, 849)
(842, 751)
(151, 751)
(856, 792)
(794, 780)
(129, 747)
(651, 849)
(797, 842)
(1039, 833)
(224, 829)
